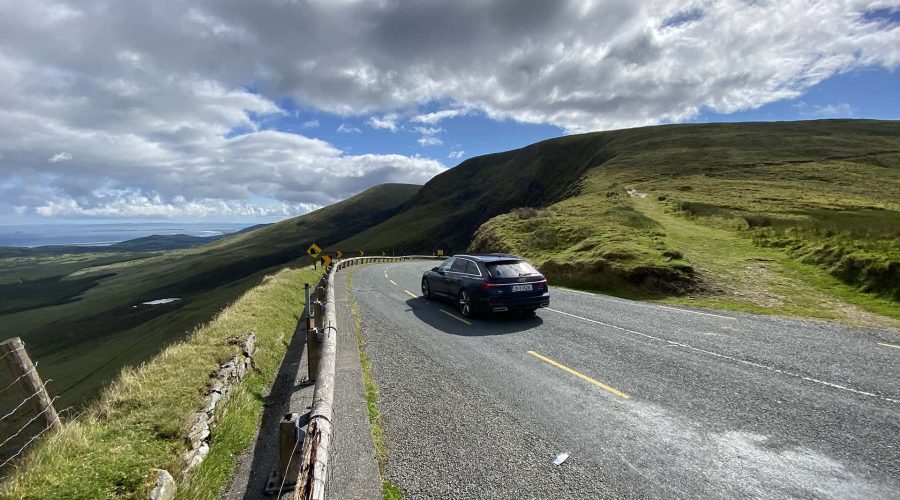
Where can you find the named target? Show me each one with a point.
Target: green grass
(389, 490)
(798, 218)
(140, 421)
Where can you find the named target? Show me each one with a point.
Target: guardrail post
(13, 354)
(289, 438)
(306, 310)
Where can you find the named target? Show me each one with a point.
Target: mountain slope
(84, 337)
(594, 209)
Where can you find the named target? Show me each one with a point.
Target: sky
(230, 110)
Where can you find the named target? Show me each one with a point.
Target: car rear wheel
(465, 304)
(426, 289)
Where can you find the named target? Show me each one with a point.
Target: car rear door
(456, 276)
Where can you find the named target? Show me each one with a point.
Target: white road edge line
(393, 282)
(616, 299)
(694, 312)
(732, 358)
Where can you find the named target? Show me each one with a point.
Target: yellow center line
(411, 294)
(393, 282)
(889, 345)
(455, 317)
(581, 376)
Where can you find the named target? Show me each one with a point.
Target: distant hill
(153, 243)
(84, 321)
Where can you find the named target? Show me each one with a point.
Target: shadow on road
(429, 312)
(251, 481)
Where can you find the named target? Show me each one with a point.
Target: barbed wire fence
(26, 409)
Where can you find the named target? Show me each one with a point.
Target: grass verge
(140, 421)
(389, 490)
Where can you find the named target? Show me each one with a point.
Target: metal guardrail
(322, 345)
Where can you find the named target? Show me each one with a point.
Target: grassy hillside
(140, 421)
(82, 316)
(450, 208)
(774, 217)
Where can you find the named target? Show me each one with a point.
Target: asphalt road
(648, 401)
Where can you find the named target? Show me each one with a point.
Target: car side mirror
(435, 269)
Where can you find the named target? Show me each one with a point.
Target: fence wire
(14, 382)
(19, 428)
(24, 446)
(29, 398)
(10, 438)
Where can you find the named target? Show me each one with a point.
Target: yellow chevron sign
(340, 254)
(326, 260)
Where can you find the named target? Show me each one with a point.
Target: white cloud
(58, 157)
(388, 121)
(428, 130)
(427, 140)
(148, 108)
(429, 136)
(439, 116)
(310, 124)
(840, 110)
(348, 129)
(456, 154)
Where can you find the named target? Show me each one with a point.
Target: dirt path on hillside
(738, 274)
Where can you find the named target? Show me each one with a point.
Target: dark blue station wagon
(488, 282)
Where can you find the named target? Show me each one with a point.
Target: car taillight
(485, 285)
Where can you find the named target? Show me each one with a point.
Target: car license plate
(521, 288)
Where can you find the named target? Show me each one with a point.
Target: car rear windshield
(510, 269)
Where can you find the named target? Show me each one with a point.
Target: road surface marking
(455, 317)
(581, 376)
(576, 291)
(411, 294)
(626, 301)
(393, 282)
(889, 345)
(385, 273)
(695, 312)
(734, 359)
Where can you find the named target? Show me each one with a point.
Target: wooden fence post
(12, 351)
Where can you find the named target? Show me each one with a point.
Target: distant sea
(91, 234)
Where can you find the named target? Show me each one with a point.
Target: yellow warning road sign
(314, 250)
(439, 253)
(326, 260)
(362, 253)
(383, 254)
(340, 254)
